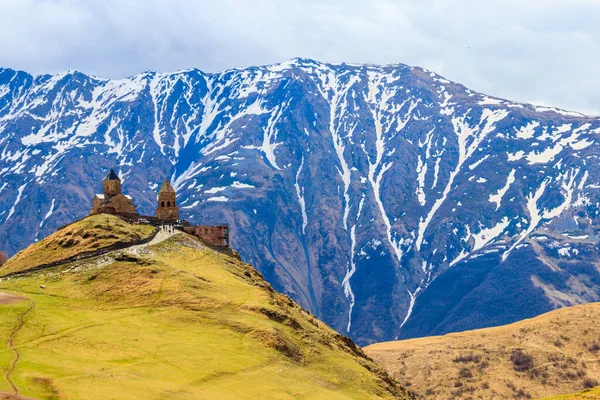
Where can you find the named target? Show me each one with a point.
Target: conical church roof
(166, 187)
(111, 176)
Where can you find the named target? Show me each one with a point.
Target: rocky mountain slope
(552, 354)
(384, 199)
(167, 319)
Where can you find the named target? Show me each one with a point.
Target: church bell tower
(112, 184)
(167, 209)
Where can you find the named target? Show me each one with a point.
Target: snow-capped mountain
(383, 198)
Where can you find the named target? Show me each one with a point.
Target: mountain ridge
(352, 188)
(291, 61)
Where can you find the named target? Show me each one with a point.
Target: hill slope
(170, 319)
(352, 188)
(552, 354)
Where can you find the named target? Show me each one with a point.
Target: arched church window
(162, 203)
(168, 204)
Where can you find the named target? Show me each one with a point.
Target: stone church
(112, 201)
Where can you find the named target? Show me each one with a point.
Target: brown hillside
(553, 354)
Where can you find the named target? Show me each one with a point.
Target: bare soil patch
(10, 396)
(6, 298)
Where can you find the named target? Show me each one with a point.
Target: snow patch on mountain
(497, 198)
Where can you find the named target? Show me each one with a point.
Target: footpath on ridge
(162, 235)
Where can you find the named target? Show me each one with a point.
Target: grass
(549, 355)
(588, 394)
(178, 321)
(91, 233)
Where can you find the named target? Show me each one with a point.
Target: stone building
(213, 235)
(112, 201)
(167, 209)
(3, 257)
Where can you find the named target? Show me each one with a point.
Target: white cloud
(535, 51)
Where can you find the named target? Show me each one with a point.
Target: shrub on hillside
(466, 358)
(594, 347)
(521, 362)
(589, 383)
(465, 373)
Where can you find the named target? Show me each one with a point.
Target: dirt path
(161, 236)
(15, 351)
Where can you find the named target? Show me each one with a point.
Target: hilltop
(169, 318)
(94, 234)
(549, 355)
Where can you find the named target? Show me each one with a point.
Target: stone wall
(3, 257)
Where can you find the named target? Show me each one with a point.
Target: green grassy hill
(173, 320)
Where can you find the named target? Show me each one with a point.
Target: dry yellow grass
(555, 353)
(91, 233)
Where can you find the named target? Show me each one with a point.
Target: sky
(545, 52)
